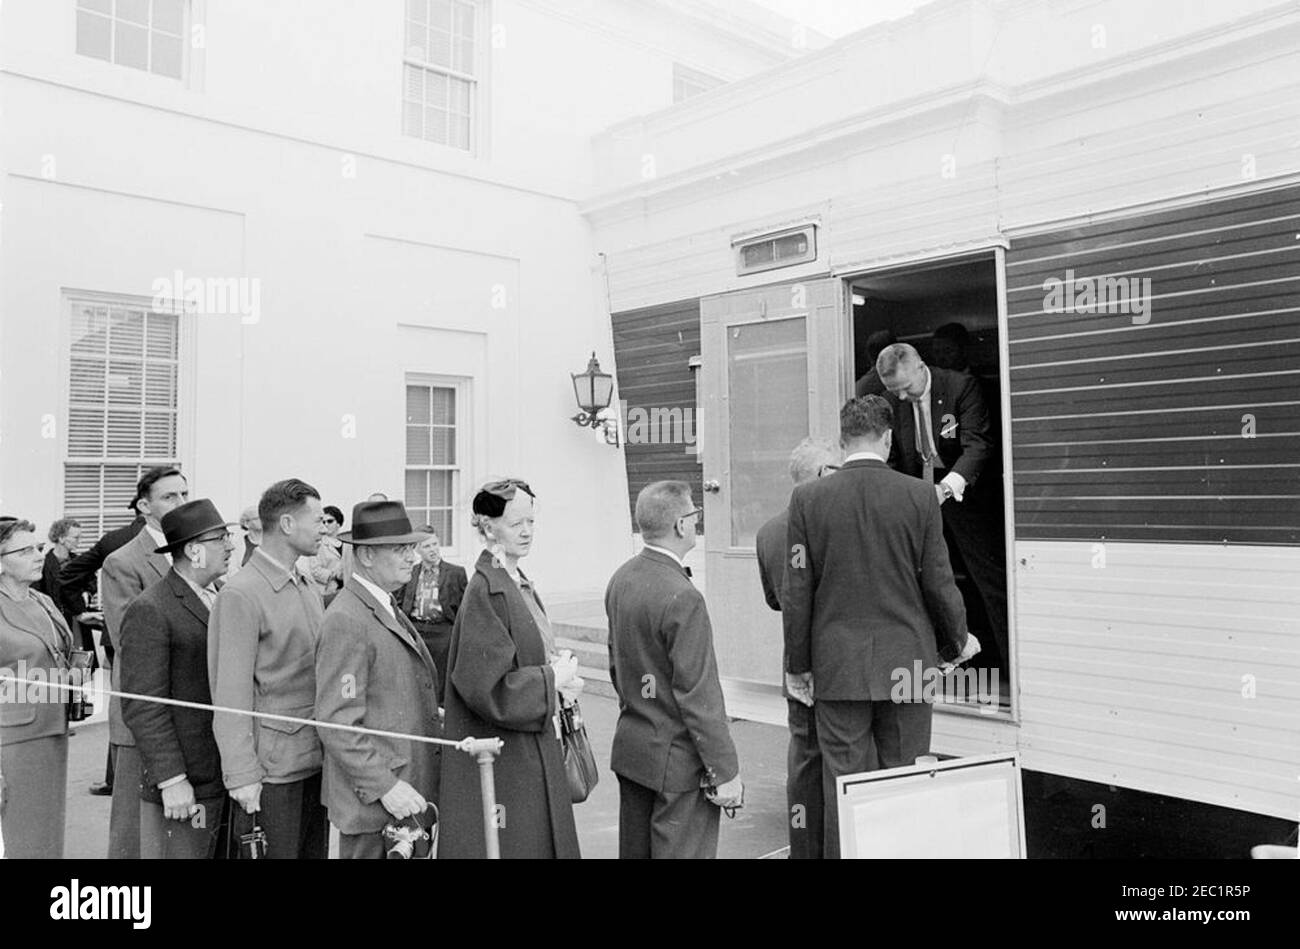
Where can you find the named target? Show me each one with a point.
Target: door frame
(998, 249)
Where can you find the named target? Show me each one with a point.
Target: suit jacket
(672, 723)
(262, 638)
(30, 645)
(77, 575)
(769, 545)
(499, 684)
(373, 671)
(451, 590)
(869, 589)
(165, 653)
(965, 447)
(128, 571)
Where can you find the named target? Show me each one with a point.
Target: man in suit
(672, 740)
(164, 653)
(77, 579)
(812, 458)
(431, 598)
(856, 620)
(373, 671)
(127, 572)
(262, 639)
(942, 434)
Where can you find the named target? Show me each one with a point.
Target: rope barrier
(484, 750)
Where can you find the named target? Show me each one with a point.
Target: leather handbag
(579, 761)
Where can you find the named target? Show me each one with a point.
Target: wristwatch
(946, 489)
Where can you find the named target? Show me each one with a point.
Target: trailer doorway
(949, 311)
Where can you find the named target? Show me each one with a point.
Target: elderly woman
(505, 679)
(34, 644)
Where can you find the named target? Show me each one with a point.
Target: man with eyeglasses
(165, 654)
(374, 671)
(812, 458)
(673, 753)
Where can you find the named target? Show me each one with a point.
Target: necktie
(925, 439)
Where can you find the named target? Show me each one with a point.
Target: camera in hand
(252, 845)
(81, 664)
(412, 837)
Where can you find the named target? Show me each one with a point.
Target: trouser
(437, 637)
(362, 846)
(847, 731)
(108, 765)
(803, 784)
(293, 819)
(682, 826)
(975, 526)
(192, 839)
(124, 817)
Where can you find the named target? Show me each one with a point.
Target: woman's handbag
(579, 761)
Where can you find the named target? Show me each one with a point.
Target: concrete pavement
(757, 830)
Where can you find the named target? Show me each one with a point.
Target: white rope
(463, 745)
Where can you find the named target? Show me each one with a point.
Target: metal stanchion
(485, 752)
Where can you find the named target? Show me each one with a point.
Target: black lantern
(593, 390)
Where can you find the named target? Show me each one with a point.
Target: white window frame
(460, 477)
(701, 81)
(185, 396)
(186, 37)
(476, 145)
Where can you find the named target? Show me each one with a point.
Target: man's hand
(800, 687)
(942, 492)
(178, 801)
(403, 801)
(969, 651)
(731, 794)
(249, 797)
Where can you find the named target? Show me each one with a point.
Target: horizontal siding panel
(652, 351)
(1269, 419)
(1142, 341)
(1280, 355)
(1198, 394)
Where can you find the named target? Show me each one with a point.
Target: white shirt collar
(201, 591)
(863, 456)
(160, 539)
(385, 600)
(667, 553)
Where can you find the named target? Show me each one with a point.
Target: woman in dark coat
(504, 680)
(34, 644)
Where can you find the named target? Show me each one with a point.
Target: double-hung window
(434, 432)
(142, 34)
(441, 71)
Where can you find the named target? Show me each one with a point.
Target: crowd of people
(371, 631)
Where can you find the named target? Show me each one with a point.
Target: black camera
(81, 665)
(252, 845)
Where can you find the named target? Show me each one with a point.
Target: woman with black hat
(505, 679)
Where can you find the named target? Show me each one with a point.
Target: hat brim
(414, 537)
(172, 548)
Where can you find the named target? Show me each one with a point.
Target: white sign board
(957, 809)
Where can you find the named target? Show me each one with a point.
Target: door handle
(712, 486)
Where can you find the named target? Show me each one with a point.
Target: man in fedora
(373, 670)
(164, 653)
(262, 639)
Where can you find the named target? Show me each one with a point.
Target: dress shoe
(101, 789)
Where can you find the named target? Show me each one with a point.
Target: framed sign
(956, 809)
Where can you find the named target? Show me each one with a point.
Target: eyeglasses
(18, 550)
(825, 468)
(223, 536)
(329, 520)
(698, 510)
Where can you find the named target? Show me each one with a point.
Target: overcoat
(500, 685)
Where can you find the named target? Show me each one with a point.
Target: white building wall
(280, 159)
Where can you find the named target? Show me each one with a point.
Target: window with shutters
(434, 436)
(122, 407)
(143, 34)
(441, 71)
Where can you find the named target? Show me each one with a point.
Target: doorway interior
(948, 310)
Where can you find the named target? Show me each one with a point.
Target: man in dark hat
(164, 653)
(432, 597)
(262, 639)
(374, 671)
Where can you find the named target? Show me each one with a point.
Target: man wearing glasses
(165, 654)
(673, 753)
